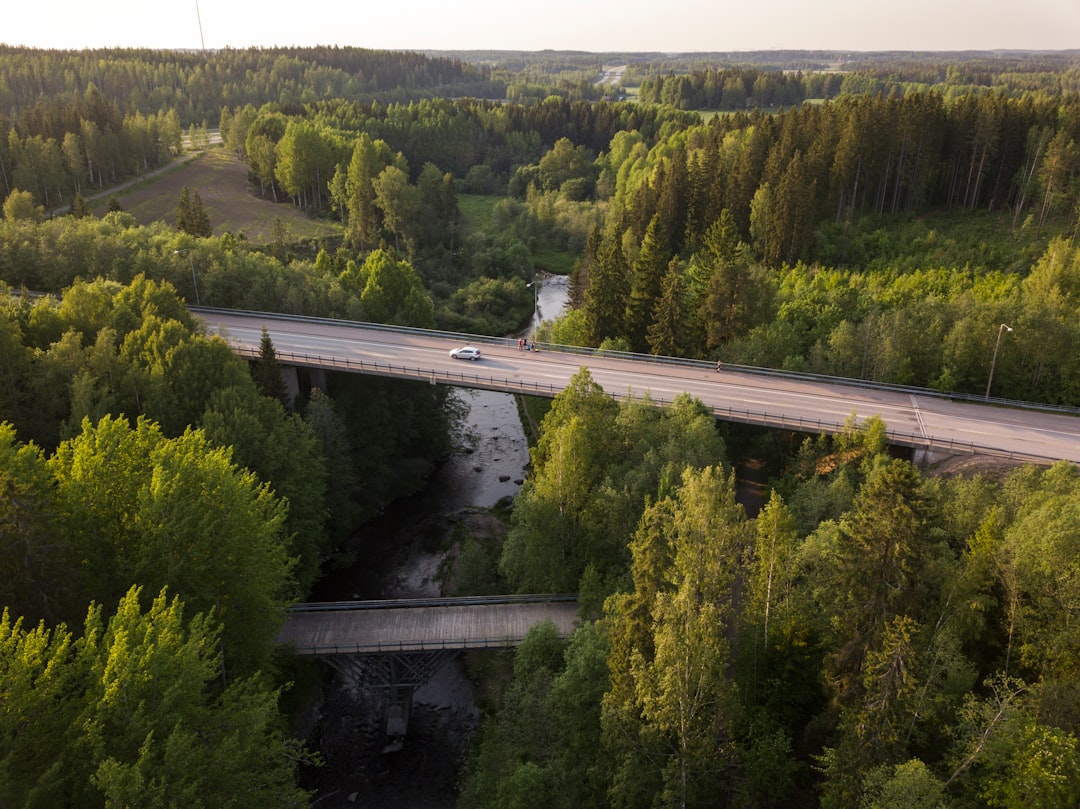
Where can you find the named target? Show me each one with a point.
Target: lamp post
(535, 285)
(194, 280)
(993, 361)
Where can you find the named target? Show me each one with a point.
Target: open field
(477, 213)
(476, 210)
(222, 182)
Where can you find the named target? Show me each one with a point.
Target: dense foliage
(720, 241)
(44, 91)
(130, 713)
(163, 466)
(72, 121)
(866, 72)
(740, 87)
(872, 638)
(735, 89)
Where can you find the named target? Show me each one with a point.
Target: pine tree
(646, 278)
(665, 333)
(183, 211)
(268, 371)
(200, 219)
(605, 302)
(79, 208)
(678, 692)
(580, 274)
(191, 216)
(362, 214)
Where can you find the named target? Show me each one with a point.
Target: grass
(233, 206)
(477, 210)
(478, 214)
(532, 410)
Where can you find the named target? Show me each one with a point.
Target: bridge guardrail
(745, 416)
(386, 647)
(509, 342)
(433, 601)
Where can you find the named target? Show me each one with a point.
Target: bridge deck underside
(417, 629)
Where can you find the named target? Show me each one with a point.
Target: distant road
(612, 74)
(916, 419)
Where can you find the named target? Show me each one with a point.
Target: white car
(465, 353)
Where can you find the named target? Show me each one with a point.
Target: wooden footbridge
(398, 644)
(349, 628)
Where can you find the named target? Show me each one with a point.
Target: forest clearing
(221, 180)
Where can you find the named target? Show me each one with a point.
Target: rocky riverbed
(402, 555)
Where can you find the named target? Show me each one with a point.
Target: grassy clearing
(477, 210)
(233, 206)
(556, 262)
(532, 410)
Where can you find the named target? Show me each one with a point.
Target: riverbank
(404, 554)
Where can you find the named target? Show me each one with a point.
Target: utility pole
(198, 17)
(993, 362)
(194, 280)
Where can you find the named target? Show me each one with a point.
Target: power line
(198, 17)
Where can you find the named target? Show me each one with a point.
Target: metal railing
(392, 647)
(433, 601)
(761, 418)
(510, 342)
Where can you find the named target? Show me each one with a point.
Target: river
(400, 556)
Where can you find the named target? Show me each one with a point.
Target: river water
(400, 555)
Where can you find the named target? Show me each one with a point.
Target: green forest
(875, 636)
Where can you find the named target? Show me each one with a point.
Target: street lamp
(535, 285)
(194, 280)
(993, 362)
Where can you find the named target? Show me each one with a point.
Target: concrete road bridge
(932, 423)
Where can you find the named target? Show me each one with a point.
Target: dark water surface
(399, 555)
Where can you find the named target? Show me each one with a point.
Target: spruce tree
(268, 371)
(200, 219)
(183, 211)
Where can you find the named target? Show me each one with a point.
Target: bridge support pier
(400, 674)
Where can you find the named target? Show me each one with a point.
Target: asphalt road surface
(808, 405)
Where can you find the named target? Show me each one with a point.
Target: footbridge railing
(422, 624)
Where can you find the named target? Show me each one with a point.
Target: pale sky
(627, 25)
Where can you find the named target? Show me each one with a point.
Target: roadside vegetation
(872, 633)
(872, 637)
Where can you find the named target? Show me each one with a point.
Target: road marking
(918, 417)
